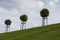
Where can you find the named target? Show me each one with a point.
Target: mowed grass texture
(50, 32)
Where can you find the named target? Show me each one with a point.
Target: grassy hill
(50, 32)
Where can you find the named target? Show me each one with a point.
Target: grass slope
(51, 32)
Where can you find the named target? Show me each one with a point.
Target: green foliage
(51, 32)
(44, 13)
(23, 18)
(8, 22)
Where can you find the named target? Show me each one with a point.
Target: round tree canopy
(23, 18)
(8, 22)
(44, 13)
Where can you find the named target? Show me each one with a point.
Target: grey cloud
(8, 4)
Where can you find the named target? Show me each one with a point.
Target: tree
(8, 23)
(24, 19)
(44, 13)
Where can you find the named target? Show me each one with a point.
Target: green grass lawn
(50, 32)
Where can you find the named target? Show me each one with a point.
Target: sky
(13, 9)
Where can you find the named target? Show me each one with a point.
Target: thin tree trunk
(43, 21)
(46, 21)
(7, 28)
(22, 25)
(25, 25)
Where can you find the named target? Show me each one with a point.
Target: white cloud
(51, 4)
(56, 1)
(41, 4)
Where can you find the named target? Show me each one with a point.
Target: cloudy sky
(12, 9)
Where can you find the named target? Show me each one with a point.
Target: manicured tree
(44, 14)
(24, 19)
(8, 23)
